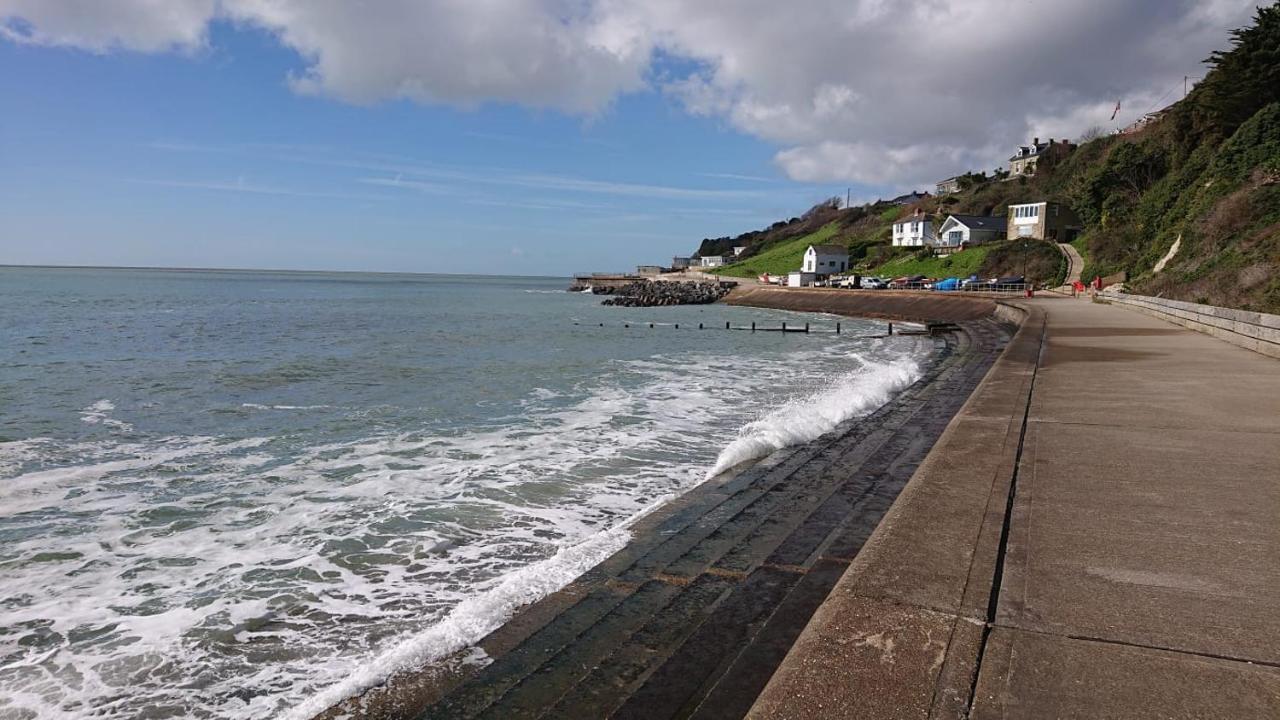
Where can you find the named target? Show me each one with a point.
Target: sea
(250, 494)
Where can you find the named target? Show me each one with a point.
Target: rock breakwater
(649, 293)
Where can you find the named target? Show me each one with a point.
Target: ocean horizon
(230, 494)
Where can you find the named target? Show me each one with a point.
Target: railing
(1010, 288)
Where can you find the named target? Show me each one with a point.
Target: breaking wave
(807, 417)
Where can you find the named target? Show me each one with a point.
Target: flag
(1115, 112)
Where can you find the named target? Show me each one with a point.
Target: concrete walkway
(1113, 552)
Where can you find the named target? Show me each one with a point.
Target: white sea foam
(472, 618)
(250, 578)
(99, 413)
(808, 417)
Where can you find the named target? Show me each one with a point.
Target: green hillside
(781, 258)
(1198, 187)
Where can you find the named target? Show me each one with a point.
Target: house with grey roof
(962, 231)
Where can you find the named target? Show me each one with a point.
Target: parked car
(971, 283)
(1009, 280)
(872, 283)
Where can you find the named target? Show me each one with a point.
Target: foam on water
(265, 534)
(808, 417)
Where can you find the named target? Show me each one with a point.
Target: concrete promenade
(1095, 535)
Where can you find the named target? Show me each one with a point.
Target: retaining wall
(1259, 332)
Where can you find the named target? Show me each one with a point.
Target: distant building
(680, 263)
(649, 269)
(909, 198)
(711, 261)
(1024, 160)
(1042, 221)
(913, 231)
(739, 249)
(948, 186)
(825, 259)
(962, 231)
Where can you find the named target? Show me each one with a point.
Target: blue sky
(529, 136)
(210, 160)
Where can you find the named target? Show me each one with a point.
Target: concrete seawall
(883, 304)
(1256, 331)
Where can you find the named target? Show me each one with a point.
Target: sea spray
(807, 417)
(472, 619)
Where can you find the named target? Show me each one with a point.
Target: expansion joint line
(993, 601)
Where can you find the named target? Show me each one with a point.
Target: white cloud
(885, 93)
(102, 25)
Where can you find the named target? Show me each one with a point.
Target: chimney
(1035, 141)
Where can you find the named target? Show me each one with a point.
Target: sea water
(230, 494)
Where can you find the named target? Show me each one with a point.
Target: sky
(540, 137)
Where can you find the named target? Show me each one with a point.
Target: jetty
(1073, 514)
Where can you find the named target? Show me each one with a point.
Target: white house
(961, 231)
(913, 231)
(738, 250)
(711, 261)
(825, 259)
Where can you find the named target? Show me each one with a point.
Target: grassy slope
(781, 258)
(961, 264)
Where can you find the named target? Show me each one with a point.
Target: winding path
(1075, 264)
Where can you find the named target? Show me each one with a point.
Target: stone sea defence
(649, 293)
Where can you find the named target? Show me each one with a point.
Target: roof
(981, 222)
(830, 249)
(909, 197)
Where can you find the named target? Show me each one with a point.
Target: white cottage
(913, 231)
(961, 231)
(825, 259)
